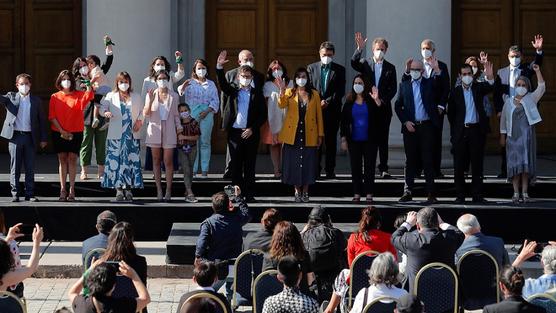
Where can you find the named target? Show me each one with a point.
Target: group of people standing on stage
(298, 116)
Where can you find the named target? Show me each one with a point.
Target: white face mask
(474, 69)
(301, 82)
(244, 82)
(201, 72)
(184, 114)
(467, 79)
(426, 53)
(162, 83)
(277, 73)
(326, 60)
(23, 89)
(520, 91)
(358, 88)
(66, 83)
(515, 61)
(84, 70)
(248, 63)
(378, 54)
(123, 86)
(415, 75)
(159, 68)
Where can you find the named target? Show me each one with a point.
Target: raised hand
(408, 64)
(434, 64)
(537, 42)
(489, 72)
(483, 57)
(360, 41)
(222, 58)
(280, 83)
(536, 68)
(177, 54)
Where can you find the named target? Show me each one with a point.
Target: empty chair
(266, 285)
(479, 276)
(248, 266)
(436, 284)
(10, 303)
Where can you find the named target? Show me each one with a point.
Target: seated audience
(102, 282)
(434, 241)
(383, 278)
(475, 239)
(9, 274)
(291, 299)
(511, 285)
(205, 275)
(261, 238)
(409, 303)
(545, 282)
(105, 222)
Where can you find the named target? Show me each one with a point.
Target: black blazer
(220, 296)
(514, 304)
(346, 121)
(405, 107)
(336, 85)
(456, 109)
(231, 77)
(387, 86)
(257, 112)
(427, 246)
(443, 92)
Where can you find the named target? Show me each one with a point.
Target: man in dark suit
(433, 241)
(245, 57)
(205, 275)
(243, 114)
(25, 127)
(105, 222)
(506, 78)
(418, 113)
(469, 126)
(329, 78)
(475, 239)
(381, 74)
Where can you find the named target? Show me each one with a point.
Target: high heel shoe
(71, 196)
(63, 195)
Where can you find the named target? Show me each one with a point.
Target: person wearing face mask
(124, 108)
(163, 127)
(329, 79)
(358, 132)
(202, 96)
(505, 83)
(245, 57)
(416, 107)
(469, 126)
(271, 129)
(65, 113)
(187, 148)
(242, 117)
(519, 116)
(302, 133)
(382, 75)
(25, 128)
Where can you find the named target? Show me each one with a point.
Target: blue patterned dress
(123, 164)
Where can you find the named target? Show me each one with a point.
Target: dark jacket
(456, 109)
(443, 90)
(231, 77)
(221, 235)
(189, 294)
(427, 246)
(335, 87)
(490, 244)
(346, 122)
(257, 112)
(11, 101)
(405, 106)
(387, 84)
(258, 240)
(514, 304)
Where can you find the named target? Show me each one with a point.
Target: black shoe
(431, 200)
(406, 197)
(31, 199)
(502, 175)
(15, 199)
(480, 200)
(385, 174)
(330, 175)
(460, 200)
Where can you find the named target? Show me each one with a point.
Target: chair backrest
(545, 300)
(207, 298)
(381, 305)
(10, 303)
(479, 276)
(266, 285)
(96, 253)
(436, 284)
(358, 277)
(124, 288)
(247, 267)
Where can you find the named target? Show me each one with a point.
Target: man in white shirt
(24, 127)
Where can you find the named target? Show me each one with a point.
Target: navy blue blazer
(39, 127)
(405, 107)
(490, 244)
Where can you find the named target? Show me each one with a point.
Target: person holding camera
(221, 235)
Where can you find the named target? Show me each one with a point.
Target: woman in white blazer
(124, 109)
(519, 116)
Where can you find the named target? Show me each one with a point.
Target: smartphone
(27, 230)
(112, 262)
(230, 191)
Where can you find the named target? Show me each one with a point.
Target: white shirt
(243, 99)
(378, 71)
(428, 69)
(375, 291)
(23, 119)
(163, 110)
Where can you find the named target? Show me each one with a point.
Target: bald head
(468, 224)
(245, 56)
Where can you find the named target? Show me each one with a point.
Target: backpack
(320, 243)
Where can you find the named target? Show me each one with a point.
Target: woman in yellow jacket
(302, 133)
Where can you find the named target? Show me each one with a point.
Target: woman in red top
(65, 112)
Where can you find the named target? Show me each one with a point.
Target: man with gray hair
(433, 241)
(545, 282)
(475, 239)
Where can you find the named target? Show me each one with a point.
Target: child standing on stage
(187, 148)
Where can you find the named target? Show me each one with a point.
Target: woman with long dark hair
(302, 133)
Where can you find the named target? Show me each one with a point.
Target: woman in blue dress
(124, 108)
